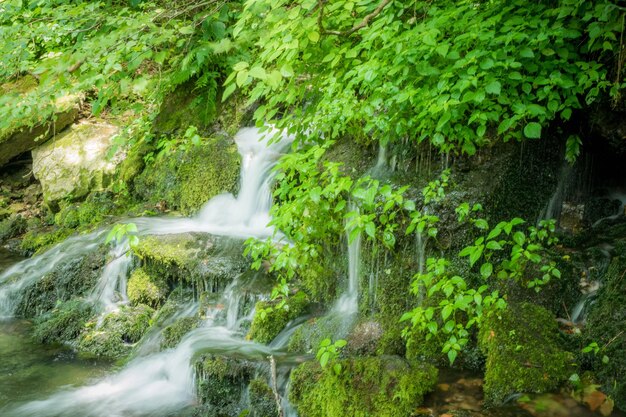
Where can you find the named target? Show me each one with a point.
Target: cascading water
(161, 383)
(25, 273)
(348, 303)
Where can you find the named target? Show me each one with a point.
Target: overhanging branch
(363, 23)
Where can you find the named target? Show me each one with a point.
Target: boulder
(75, 162)
(34, 129)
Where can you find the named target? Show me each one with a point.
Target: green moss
(118, 332)
(221, 383)
(375, 386)
(270, 319)
(262, 400)
(522, 352)
(187, 178)
(72, 279)
(36, 241)
(174, 333)
(605, 326)
(12, 227)
(146, 289)
(64, 323)
(19, 86)
(201, 258)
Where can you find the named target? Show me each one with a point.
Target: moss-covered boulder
(75, 162)
(64, 323)
(307, 337)
(74, 278)
(115, 336)
(221, 384)
(174, 333)
(271, 317)
(262, 399)
(144, 288)
(35, 127)
(385, 386)
(190, 176)
(523, 354)
(209, 261)
(606, 326)
(11, 227)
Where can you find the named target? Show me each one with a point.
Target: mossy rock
(64, 323)
(11, 227)
(144, 288)
(75, 278)
(186, 106)
(262, 400)
(605, 326)
(37, 241)
(187, 178)
(117, 334)
(523, 354)
(221, 383)
(208, 260)
(174, 333)
(384, 386)
(270, 319)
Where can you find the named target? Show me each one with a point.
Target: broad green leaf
(532, 130)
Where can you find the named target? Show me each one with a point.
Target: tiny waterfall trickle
(348, 303)
(552, 210)
(110, 289)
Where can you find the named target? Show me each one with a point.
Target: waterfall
(162, 383)
(552, 210)
(348, 302)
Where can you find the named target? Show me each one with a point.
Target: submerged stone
(523, 355)
(383, 386)
(75, 162)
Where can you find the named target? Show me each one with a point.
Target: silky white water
(161, 383)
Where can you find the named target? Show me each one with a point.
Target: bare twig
(275, 386)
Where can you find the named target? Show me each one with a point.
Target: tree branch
(363, 23)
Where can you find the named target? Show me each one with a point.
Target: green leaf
(324, 359)
(313, 36)
(532, 130)
(258, 72)
(242, 77)
(486, 270)
(452, 354)
(370, 229)
(228, 91)
(494, 88)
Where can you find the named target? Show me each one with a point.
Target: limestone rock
(75, 162)
(34, 129)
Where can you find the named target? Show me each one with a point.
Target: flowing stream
(162, 383)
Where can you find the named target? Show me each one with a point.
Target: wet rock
(118, 332)
(146, 289)
(174, 333)
(207, 261)
(221, 383)
(364, 338)
(271, 317)
(75, 162)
